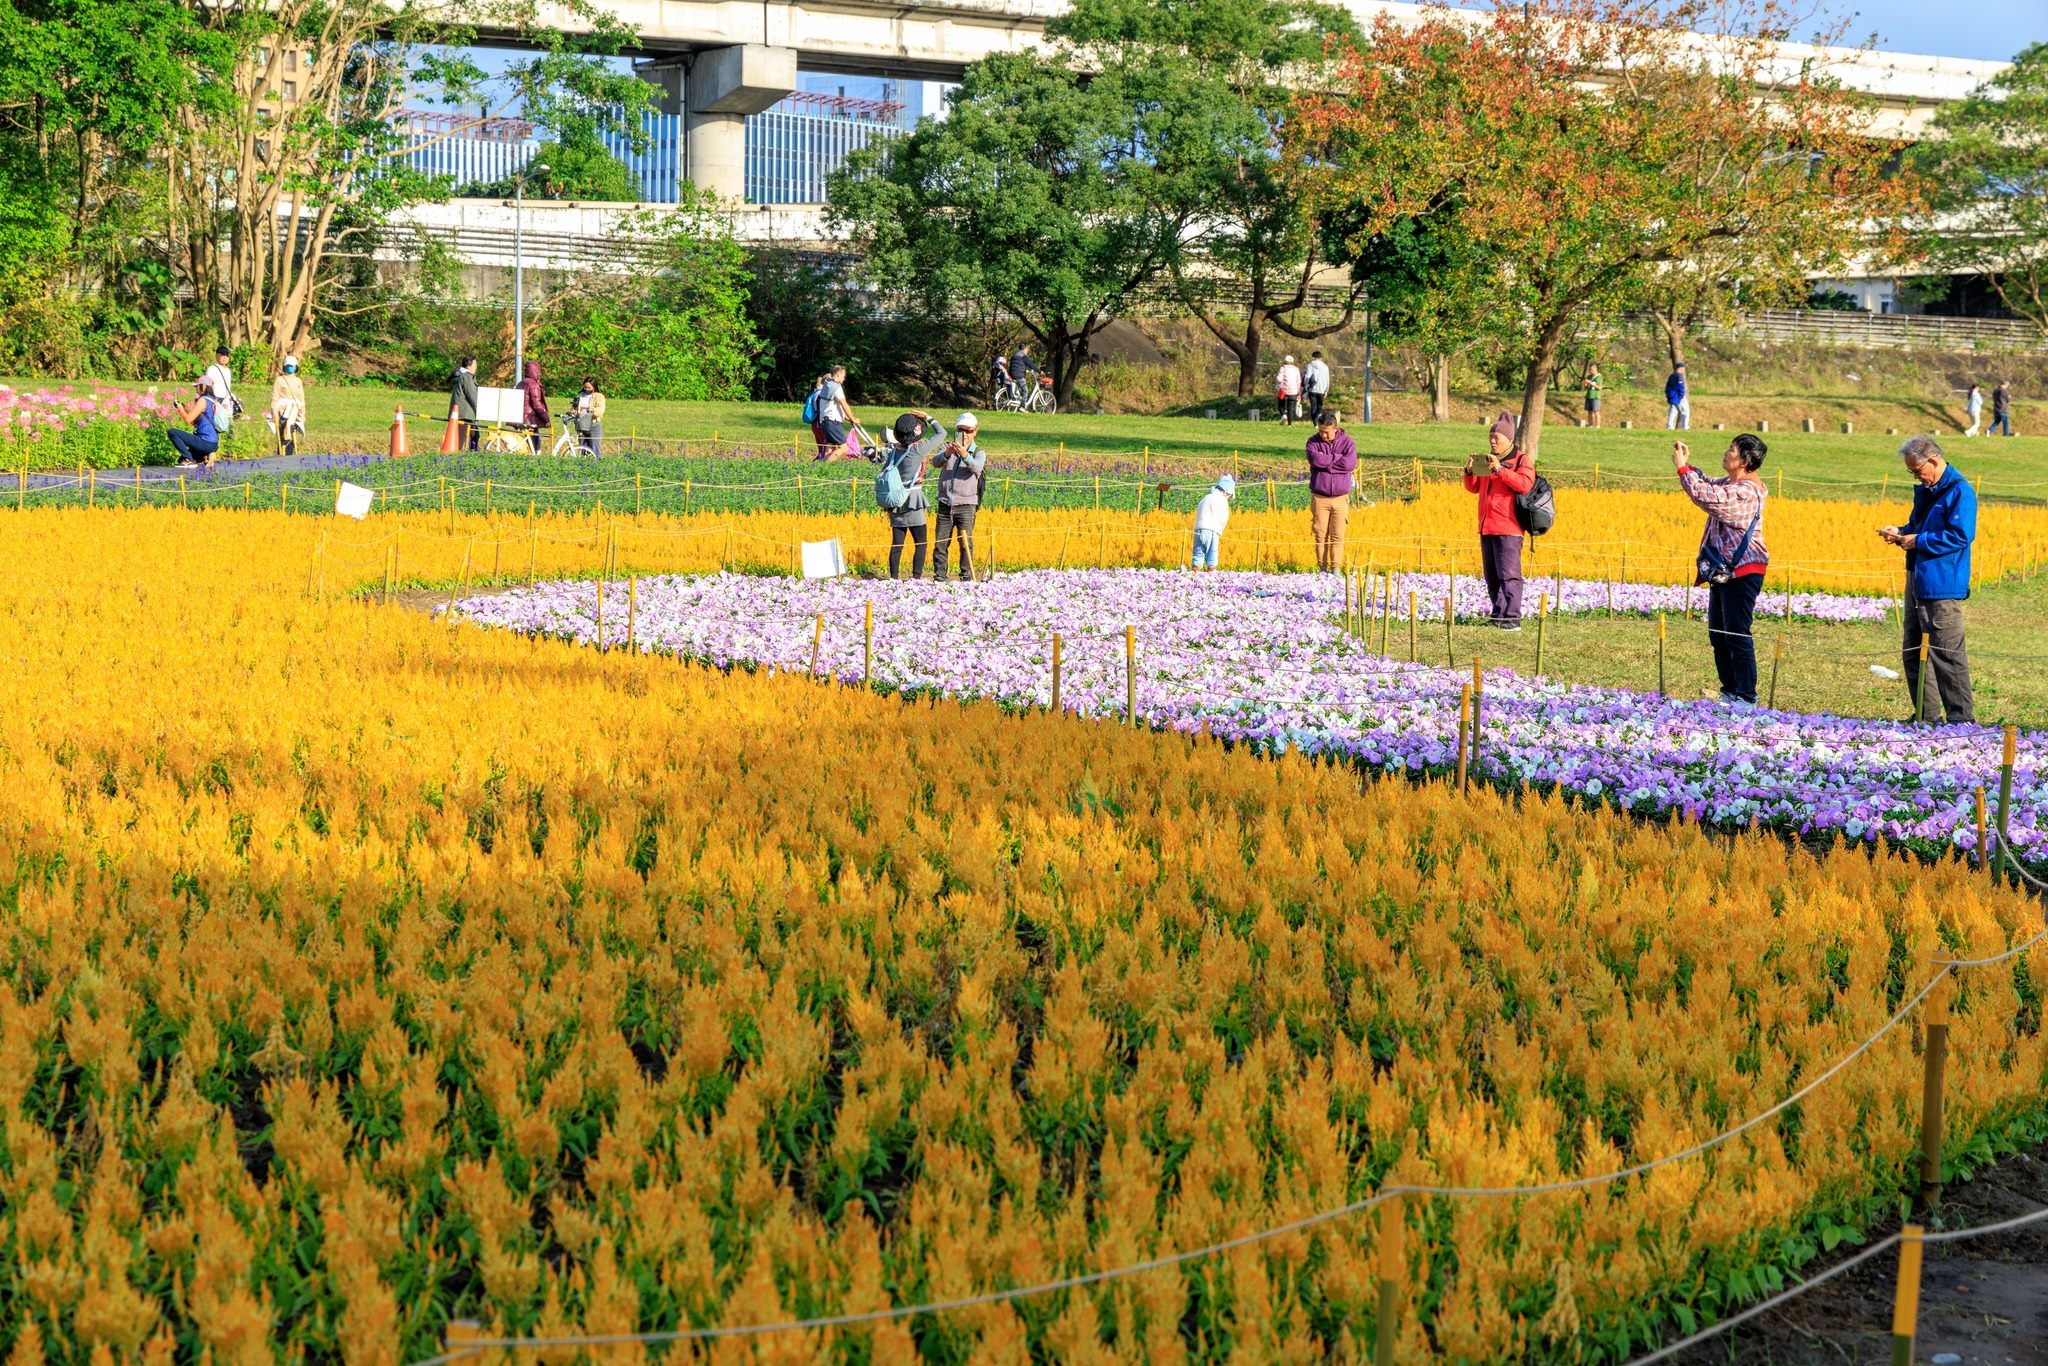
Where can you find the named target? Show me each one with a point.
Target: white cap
(291, 360)
(967, 420)
(1289, 361)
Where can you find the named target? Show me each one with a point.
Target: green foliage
(1987, 169)
(576, 170)
(1027, 195)
(1833, 301)
(672, 326)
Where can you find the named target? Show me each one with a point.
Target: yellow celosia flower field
(364, 972)
(1625, 536)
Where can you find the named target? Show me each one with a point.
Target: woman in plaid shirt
(1732, 557)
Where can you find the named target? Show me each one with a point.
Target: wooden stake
(1777, 658)
(1411, 626)
(1130, 676)
(1393, 1271)
(1542, 617)
(1934, 1074)
(1055, 671)
(632, 609)
(1450, 654)
(1464, 730)
(817, 643)
(1906, 1301)
(1661, 692)
(1920, 682)
(867, 647)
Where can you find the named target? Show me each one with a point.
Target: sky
(1991, 29)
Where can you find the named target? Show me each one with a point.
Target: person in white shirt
(1973, 404)
(1212, 514)
(1315, 382)
(222, 382)
(1287, 386)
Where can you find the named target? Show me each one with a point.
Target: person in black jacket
(462, 397)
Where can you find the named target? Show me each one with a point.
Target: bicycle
(1040, 399)
(1008, 397)
(570, 442)
(505, 441)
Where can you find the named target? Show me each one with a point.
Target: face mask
(291, 369)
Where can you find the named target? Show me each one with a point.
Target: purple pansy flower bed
(1263, 660)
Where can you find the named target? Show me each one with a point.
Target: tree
(581, 168)
(1592, 143)
(1024, 195)
(1214, 83)
(670, 321)
(1987, 160)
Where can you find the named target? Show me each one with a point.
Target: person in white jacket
(222, 381)
(1315, 383)
(1973, 404)
(1212, 514)
(1287, 387)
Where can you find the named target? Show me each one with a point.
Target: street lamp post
(519, 269)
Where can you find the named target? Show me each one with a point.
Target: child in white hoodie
(1212, 514)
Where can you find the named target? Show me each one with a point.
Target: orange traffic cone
(451, 440)
(398, 447)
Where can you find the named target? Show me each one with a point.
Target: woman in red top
(1509, 472)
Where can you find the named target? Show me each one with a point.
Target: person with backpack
(1212, 514)
(1332, 457)
(220, 381)
(830, 420)
(899, 487)
(1732, 557)
(1501, 477)
(962, 477)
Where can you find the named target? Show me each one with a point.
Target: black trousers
(1315, 406)
(919, 534)
(955, 521)
(1731, 607)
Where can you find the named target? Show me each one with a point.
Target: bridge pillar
(715, 90)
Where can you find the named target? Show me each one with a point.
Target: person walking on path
(1332, 459)
(1287, 389)
(917, 437)
(1936, 539)
(1679, 399)
(835, 426)
(1732, 557)
(1593, 397)
(534, 406)
(221, 380)
(463, 400)
(1973, 404)
(589, 412)
(960, 483)
(1212, 515)
(2001, 408)
(197, 446)
(1499, 477)
(1315, 382)
(288, 406)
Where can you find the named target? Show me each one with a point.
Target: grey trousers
(1941, 625)
(955, 522)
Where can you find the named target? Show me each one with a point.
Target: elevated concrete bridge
(718, 61)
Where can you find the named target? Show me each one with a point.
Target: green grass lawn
(359, 419)
(1826, 665)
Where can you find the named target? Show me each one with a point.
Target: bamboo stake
(1464, 730)
(1934, 1075)
(1906, 1300)
(1055, 672)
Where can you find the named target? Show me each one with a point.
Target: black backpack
(1536, 510)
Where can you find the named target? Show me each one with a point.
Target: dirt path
(1983, 1301)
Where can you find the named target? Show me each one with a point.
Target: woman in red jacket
(1509, 472)
(535, 405)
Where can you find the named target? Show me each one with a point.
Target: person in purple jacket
(1331, 459)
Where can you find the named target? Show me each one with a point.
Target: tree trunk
(1247, 352)
(1674, 334)
(1536, 387)
(1440, 388)
(1069, 354)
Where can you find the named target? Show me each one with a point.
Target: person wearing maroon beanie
(1499, 477)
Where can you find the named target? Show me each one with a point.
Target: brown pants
(1329, 515)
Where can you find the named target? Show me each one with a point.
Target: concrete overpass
(718, 61)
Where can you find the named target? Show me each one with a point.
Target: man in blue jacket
(1936, 540)
(1679, 419)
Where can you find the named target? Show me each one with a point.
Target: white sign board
(505, 407)
(823, 560)
(352, 500)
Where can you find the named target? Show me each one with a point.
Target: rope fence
(465, 1339)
